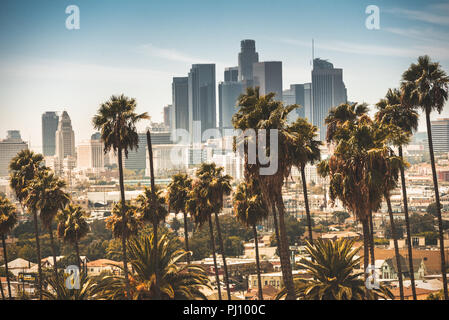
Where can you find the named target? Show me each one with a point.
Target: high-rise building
(267, 76)
(90, 154)
(65, 138)
(440, 135)
(228, 94)
(167, 116)
(328, 91)
(247, 57)
(202, 97)
(180, 103)
(295, 95)
(50, 122)
(308, 101)
(9, 148)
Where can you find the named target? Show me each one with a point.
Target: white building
(90, 155)
(65, 138)
(9, 148)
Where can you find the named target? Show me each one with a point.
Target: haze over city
(137, 48)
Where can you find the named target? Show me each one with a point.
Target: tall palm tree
(8, 219)
(72, 227)
(201, 210)
(57, 288)
(391, 110)
(215, 186)
(116, 119)
(264, 114)
(250, 210)
(151, 206)
(304, 149)
(425, 85)
(178, 281)
(177, 193)
(331, 268)
(24, 168)
(47, 195)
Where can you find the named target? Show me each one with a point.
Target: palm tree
(215, 186)
(357, 170)
(201, 210)
(392, 111)
(266, 115)
(8, 219)
(177, 193)
(116, 119)
(58, 290)
(425, 85)
(331, 268)
(250, 210)
(24, 168)
(178, 281)
(47, 195)
(304, 149)
(151, 206)
(72, 227)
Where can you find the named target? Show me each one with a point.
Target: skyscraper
(90, 154)
(202, 97)
(440, 135)
(247, 57)
(180, 103)
(65, 138)
(9, 148)
(328, 91)
(268, 77)
(167, 116)
(295, 95)
(50, 122)
(228, 93)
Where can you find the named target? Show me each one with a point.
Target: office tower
(90, 154)
(268, 77)
(228, 94)
(96, 136)
(440, 135)
(65, 138)
(50, 122)
(328, 91)
(180, 103)
(202, 98)
(167, 116)
(247, 57)
(9, 148)
(295, 95)
(137, 158)
(308, 101)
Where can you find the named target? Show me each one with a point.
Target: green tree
(425, 85)
(177, 193)
(116, 120)
(8, 219)
(251, 211)
(331, 268)
(72, 227)
(340, 216)
(24, 168)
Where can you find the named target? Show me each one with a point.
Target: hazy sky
(136, 47)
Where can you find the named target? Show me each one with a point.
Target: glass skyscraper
(202, 97)
(228, 94)
(328, 91)
(180, 103)
(50, 122)
(247, 57)
(267, 76)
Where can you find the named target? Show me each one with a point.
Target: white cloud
(438, 14)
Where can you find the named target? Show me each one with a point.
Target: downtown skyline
(79, 69)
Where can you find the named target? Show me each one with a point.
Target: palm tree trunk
(5, 257)
(156, 259)
(371, 238)
(276, 226)
(53, 250)
(284, 254)
(437, 201)
(396, 248)
(77, 250)
(212, 243)
(259, 279)
(407, 227)
(1, 289)
(186, 237)
(223, 256)
(122, 197)
(306, 203)
(38, 252)
(366, 232)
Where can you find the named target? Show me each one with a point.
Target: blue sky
(136, 47)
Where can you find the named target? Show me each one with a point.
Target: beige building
(273, 279)
(94, 268)
(9, 148)
(90, 155)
